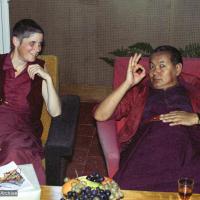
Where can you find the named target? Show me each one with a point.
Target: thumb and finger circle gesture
(135, 71)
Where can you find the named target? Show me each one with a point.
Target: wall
(4, 27)
(81, 31)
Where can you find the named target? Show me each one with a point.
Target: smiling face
(163, 73)
(27, 49)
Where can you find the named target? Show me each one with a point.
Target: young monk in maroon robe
(24, 83)
(166, 144)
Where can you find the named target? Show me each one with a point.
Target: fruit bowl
(91, 187)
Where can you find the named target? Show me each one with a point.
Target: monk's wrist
(127, 85)
(198, 115)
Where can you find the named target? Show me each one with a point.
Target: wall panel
(81, 31)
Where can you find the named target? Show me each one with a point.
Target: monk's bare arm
(107, 107)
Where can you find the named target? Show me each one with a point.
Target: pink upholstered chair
(108, 130)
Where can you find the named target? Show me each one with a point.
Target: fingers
(130, 62)
(135, 72)
(133, 63)
(171, 116)
(139, 69)
(137, 57)
(134, 59)
(34, 70)
(174, 121)
(178, 118)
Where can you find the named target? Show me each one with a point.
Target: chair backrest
(51, 64)
(191, 67)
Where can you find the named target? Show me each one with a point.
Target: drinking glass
(185, 188)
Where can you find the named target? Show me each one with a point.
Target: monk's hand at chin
(179, 118)
(36, 69)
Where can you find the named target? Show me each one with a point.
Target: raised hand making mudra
(135, 72)
(160, 141)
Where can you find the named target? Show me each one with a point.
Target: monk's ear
(15, 41)
(179, 67)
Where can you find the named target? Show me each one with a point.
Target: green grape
(96, 198)
(121, 194)
(113, 190)
(112, 197)
(73, 189)
(114, 184)
(74, 184)
(83, 183)
(78, 189)
(117, 195)
(113, 187)
(81, 186)
(66, 179)
(107, 187)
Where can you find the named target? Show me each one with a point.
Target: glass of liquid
(185, 188)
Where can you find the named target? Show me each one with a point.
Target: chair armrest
(62, 129)
(60, 141)
(108, 138)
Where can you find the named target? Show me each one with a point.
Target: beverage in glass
(185, 188)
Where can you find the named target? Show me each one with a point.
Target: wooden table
(54, 193)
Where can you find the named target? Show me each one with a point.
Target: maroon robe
(20, 110)
(159, 154)
(132, 105)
